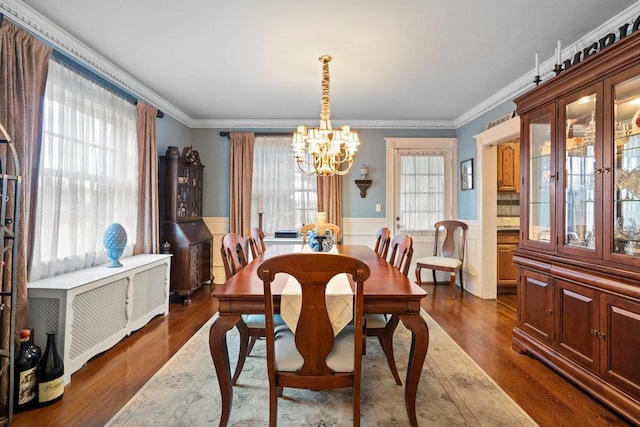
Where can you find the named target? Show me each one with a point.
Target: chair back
(232, 251)
(331, 227)
(314, 336)
(401, 252)
(383, 238)
(256, 242)
(450, 239)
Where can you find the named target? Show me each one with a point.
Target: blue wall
(467, 149)
(214, 153)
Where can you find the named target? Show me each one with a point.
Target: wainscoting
(361, 231)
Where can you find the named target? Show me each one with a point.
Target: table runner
(339, 298)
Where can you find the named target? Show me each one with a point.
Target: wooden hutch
(578, 261)
(181, 225)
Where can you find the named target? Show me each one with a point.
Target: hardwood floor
(481, 327)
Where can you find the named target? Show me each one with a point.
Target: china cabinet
(509, 166)
(578, 260)
(181, 225)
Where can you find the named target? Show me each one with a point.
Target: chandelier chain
(325, 100)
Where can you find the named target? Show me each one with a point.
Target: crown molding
(525, 82)
(43, 28)
(292, 124)
(30, 19)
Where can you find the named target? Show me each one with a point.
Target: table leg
(243, 351)
(220, 356)
(419, 345)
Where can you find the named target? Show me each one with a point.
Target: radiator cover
(92, 309)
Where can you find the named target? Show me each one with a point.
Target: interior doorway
(487, 153)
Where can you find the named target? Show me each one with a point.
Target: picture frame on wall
(466, 174)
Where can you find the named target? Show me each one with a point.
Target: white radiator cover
(92, 309)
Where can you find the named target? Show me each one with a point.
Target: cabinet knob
(549, 311)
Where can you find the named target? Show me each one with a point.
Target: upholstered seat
(251, 327)
(448, 255)
(288, 359)
(313, 358)
(384, 325)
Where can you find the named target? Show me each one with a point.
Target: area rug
(453, 391)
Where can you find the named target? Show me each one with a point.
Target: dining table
(386, 291)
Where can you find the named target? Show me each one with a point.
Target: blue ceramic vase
(115, 240)
(315, 243)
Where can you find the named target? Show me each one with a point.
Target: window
(290, 197)
(88, 174)
(422, 191)
(421, 183)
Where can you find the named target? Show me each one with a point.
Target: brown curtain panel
(241, 174)
(147, 228)
(24, 62)
(330, 200)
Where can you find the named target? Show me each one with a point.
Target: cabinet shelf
(579, 290)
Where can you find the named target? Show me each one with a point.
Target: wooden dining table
(386, 291)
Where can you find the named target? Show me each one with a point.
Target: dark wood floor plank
(480, 327)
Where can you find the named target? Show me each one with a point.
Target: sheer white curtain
(290, 197)
(88, 173)
(422, 191)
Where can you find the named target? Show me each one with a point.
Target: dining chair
(312, 357)
(256, 241)
(331, 227)
(251, 326)
(447, 256)
(384, 325)
(383, 238)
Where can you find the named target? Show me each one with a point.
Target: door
(576, 323)
(535, 310)
(420, 188)
(619, 342)
(509, 166)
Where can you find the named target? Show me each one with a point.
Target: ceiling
(255, 62)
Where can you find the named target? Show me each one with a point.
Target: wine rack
(9, 215)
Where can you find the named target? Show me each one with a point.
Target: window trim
(435, 144)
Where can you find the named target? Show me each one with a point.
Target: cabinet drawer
(508, 238)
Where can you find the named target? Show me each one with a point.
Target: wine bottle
(35, 347)
(50, 384)
(25, 384)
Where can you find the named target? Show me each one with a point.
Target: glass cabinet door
(579, 195)
(626, 168)
(196, 199)
(184, 193)
(541, 177)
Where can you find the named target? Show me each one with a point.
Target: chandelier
(325, 151)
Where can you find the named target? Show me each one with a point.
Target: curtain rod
(159, 115)
(87, 73)
(228, 134)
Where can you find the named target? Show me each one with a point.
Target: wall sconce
(363, 183)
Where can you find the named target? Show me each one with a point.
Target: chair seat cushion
(439, 261)
(257, 320)
(375, 321)
(288, 359)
